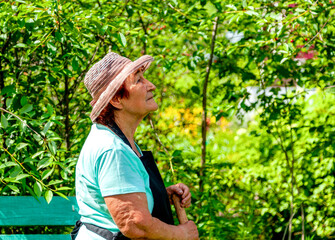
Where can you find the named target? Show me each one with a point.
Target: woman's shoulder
(99, 129)
(102, 139)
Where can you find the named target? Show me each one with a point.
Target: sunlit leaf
(48, 196)
(37, 189)
(122, 39)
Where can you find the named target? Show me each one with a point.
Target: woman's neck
(128, 126)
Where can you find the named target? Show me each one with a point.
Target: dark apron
(162, 208)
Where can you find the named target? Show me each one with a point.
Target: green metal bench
(27, 211)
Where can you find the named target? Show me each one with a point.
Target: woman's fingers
(174, 189)
(186, 202)
(185, 189)
(182, 191)
(185, 196)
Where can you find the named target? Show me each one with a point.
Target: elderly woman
(119, 189)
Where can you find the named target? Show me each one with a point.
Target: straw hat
(105, 78)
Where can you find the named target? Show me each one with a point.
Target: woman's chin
(154, 107)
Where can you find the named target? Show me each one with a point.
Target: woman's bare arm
(131, 214)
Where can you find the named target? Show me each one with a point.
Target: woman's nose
(150, 85)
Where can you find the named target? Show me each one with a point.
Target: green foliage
(259, 174)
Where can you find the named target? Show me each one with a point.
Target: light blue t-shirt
(107, 166)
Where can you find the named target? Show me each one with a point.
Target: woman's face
(140, 100)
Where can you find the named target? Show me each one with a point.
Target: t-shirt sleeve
(118, 173)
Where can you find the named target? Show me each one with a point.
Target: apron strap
(102, 232)
(115, 128)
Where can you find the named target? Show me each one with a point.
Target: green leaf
(54, 182)
(37, 154)
(68, 72)
(47, 173)
(64, 188)
(43, 163)
(195, 89)
(122, 39)
(8, 164)
(277, 16)
(26, 108)
(75, 64)
(231, 50)
(48, 196)
(233, 18)
(300, 10)
(20, 45)
(46, 127)
(22, 176)
(52, 147)
(59, 36)
(4, 122)
(37, 189)
(9, 102)
(15, 172)
(220, 115)
(8, 90)
(20, 146)
(52, 47)
(283, 60)
(50, 109)
(38, 138)
(211, 9)
(252, 13)
(62, 195)
(231, 7)
(176, 153)
(14, 188)
(3, 36)
(103, 29)
(23, 101)
(129, 10)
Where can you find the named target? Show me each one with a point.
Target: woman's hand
(182, 191)
(190, 230)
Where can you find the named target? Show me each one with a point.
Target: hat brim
(142, 62)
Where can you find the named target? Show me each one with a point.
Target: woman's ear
(116, 102)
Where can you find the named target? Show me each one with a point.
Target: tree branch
(143, 25)
(318, 33)
(302, 222)
(24, 122)
(165, 150)
(145, 32)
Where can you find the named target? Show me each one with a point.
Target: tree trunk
(204, 108)
(66, 114)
